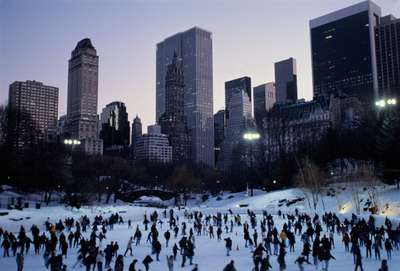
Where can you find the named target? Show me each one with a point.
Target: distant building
(82, 118)
(115, 128)
(153, 146)
(62, 120)
(194, 50)
(264, 98)
(238, 112)
(219, 132)
(136, 133)
(173, 121)
(39, 102)
(286, 80)
(343, 50)
(288, 127)
(388, 56)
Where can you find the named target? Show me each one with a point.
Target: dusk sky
(37, 37)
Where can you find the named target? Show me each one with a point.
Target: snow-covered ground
(209, 253)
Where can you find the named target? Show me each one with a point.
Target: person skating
(132, 266)
(230, 266)
(20, 261)
(146, 262)
(129, 246)
(281, 258)
(228, 245)
(170, 263)
(300, 261)
(265, 264)
(100, 260)
(384, 266)
(358, 261)
(119, 263)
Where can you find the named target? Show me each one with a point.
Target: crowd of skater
(177, 240)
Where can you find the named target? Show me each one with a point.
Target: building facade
(194, 50)
(219, 133)
(173, 121)
(289, 127)
(388, 56)
(115, 127)
(82, 118)
(238, 114)
(343, 52)
(286, 80)
(264, 98)
(39, 102)
(153, 146)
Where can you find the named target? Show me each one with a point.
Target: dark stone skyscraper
(114, 126)
(173, 121)
(136, 130)
(343, 51)
(82, 119)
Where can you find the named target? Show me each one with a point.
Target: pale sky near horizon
(37, 37)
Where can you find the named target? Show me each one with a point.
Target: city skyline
(127, 55)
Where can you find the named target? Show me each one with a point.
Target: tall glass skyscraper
(286, 80)
(194, 50)
(264, 99)
(343, 52)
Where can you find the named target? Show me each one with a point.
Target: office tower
(82, 119)
(343, 51)
(153, 146)
(115, 128)
(286, 80)
(388, 56)
(136, 130)
(264, 99)
(219, 130)
(39, 102)
(238, 114)
(173, 121)
(194, 50)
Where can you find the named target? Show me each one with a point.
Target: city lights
(72, 142)
(386, 102)
(251, 136)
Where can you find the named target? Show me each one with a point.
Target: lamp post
(72, 143)
(251, 137)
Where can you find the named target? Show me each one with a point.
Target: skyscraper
(286, 80)
(115, 126)
(136, 130)
(343, 52)
(82, 118)
(194, 50)
(388, 56)
(264, 99)
(173, 121)
(219, 133)
(238, 111)
(39, 102)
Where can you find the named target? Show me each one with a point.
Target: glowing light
(388, 102)
(251, 136)
(344, 208)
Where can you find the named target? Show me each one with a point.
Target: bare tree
(312, 179)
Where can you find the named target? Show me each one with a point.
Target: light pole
(251, 137)
(72, 143)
